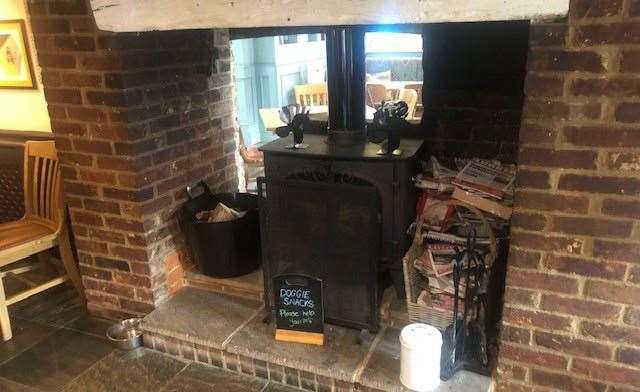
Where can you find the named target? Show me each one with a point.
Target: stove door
(331, 231)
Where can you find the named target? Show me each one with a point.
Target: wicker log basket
(430, 314)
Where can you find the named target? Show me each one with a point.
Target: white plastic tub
(420, 357)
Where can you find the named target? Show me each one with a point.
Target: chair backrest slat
(44, 171)
(42, 182)
(311, 94)
(55, 196)
(34, 176)
(51, 172)
(44, 206)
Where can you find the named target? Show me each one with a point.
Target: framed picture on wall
(16, 69)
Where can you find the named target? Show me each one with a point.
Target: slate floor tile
(25, 335)
(95, 326)
(221, 380)
(138, 370)
(56, 360)
(10, 386)
(57, 306)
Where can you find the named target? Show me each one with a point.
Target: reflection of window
(315, 37)
(275, 71)
(288, 39)
(393, 63)
(271, 62)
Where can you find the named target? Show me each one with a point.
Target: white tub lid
(420, 336)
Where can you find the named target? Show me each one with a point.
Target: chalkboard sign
(299, 309)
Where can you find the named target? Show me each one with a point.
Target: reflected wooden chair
(42, 227)
(417, 113)
(252, 159)
(411, 98)
(376, 93)
(311, 94)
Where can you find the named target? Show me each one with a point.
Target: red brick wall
(136, 117)
(572, 309)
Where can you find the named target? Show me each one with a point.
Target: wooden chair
(311, 94)
(418, 88)
(42, 227)
(411, 98)
(252, 159)
(376, 93)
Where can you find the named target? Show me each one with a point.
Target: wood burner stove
(339, 213)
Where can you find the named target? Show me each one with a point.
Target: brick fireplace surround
(136, 117)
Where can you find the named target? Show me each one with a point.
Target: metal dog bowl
(127, 334)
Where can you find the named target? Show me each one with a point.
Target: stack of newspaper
(486, 185)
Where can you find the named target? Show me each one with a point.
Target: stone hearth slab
(201, 317)
(228, 333)
(383, 370)
(339, 358)
(137, 370)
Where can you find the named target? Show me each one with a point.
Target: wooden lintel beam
(148, 15)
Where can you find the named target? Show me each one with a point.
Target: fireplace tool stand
(464, 341)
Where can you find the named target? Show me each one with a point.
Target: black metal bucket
(222, 249)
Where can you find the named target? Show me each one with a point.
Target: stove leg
(268, 318)
(365, 337)
(397, 278)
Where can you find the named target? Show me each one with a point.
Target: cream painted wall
(23, 110)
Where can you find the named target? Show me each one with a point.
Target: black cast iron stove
(339, 213)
